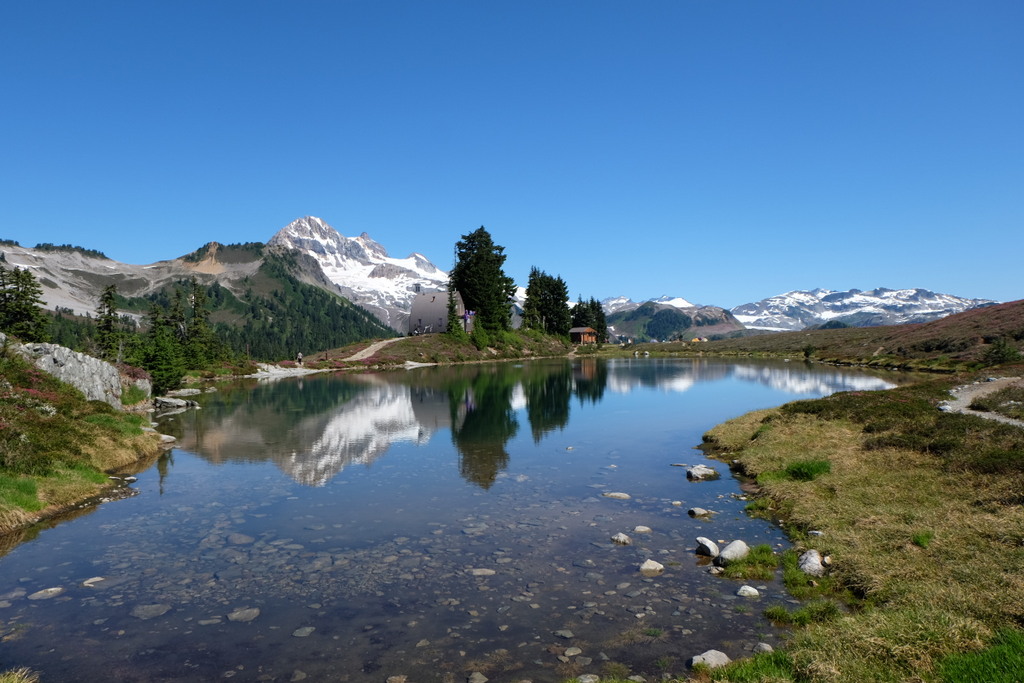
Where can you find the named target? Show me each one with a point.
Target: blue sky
(719, 151)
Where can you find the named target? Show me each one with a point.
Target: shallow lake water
(429, 523)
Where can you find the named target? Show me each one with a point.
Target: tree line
(479, 278)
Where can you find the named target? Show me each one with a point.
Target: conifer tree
(109, 337)
(21, 306)
(546, 308)
(163, 354)
(479, 278)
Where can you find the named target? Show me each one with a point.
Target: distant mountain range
(360, 270)
(855, 308)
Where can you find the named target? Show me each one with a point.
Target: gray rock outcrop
(97, 379)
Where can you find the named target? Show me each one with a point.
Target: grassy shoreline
(922, 515)
(58, 450)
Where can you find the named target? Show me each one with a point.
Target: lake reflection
(313, 428)
(431, 523)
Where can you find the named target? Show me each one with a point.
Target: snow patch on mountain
(797, 310)
(362, 269)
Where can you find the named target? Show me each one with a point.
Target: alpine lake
(430, 523)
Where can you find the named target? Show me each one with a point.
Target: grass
(1001, 662)
(19, 676)
(133, 395)
(20, 492)
(759, 565)
(55, 446)
(906, 486)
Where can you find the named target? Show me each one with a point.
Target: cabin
(430, 313)
(583, 335)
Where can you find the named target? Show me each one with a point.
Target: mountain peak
(362, 269)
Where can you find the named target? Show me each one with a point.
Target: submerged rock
(651, 568)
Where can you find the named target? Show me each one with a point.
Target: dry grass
(918, 600)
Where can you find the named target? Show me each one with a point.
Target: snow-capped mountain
(622, 303)
(362, 269)
(800, 309)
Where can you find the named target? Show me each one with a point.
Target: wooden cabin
(583, 335)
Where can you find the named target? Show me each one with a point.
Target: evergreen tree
(456, 325)
(21, 306)
(163, 354)
(546, 308)
(479, 278)
(109, 338)
(201, 346)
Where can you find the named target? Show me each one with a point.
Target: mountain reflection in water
(350, 420)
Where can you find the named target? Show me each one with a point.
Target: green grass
(814, 612)
(1001, 662)
(121, 423)
(807, 470)
(769, 666)
(19, 492)
(132, 395)
(922, 539)
(759, 565)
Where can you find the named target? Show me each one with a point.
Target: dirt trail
(371, 349)
(964, 395)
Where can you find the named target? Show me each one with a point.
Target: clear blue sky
(716, 150)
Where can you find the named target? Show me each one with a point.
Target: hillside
(264, 302)
(661, 321)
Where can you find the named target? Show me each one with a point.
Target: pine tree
(21, 306)
(479, 278)
(163, 354)
(109, 338)
(546, 308)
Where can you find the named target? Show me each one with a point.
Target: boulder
(698, 512)
(748, 592)
(699, 472)
(711, 659)
(810, 563)
(651, 568)
(705, 546)
(622, 539)
(736, 550)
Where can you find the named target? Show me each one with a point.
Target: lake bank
(920, 512)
